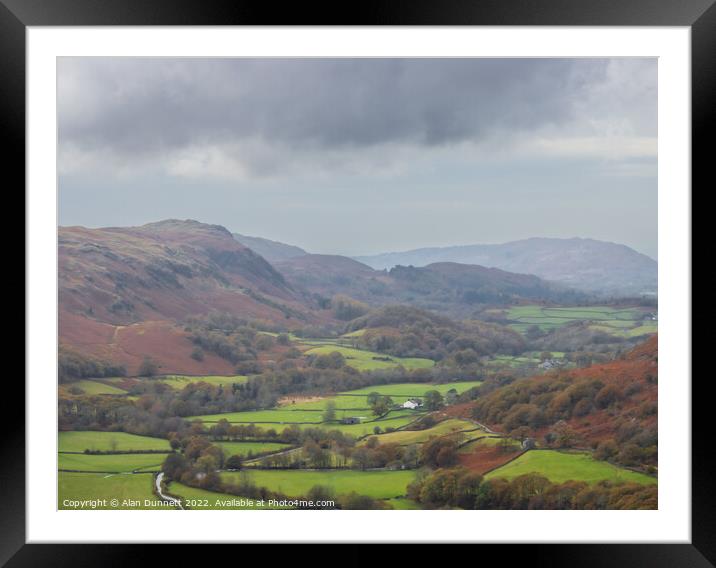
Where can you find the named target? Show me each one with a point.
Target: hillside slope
(271, 250)
(450, 288)
(611, 407)
(124, 291)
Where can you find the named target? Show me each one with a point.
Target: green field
(297, 483)
(403, 504)
(244, 448)
(562, 466)
(180, 381)
(371, 360)
(406, 437)
(270, 416)
(341, 402)
(623, 322)
(394, 419)
(85, 486)
(348, 404)
(116, 463)
(356, 333)
(358, 399)
(215, 500)
(96, 387)
(412, 389)
(358, 430)
(105, 441)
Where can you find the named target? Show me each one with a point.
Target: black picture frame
(699, 15)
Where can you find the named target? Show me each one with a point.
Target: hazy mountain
(271, 250)
(585, 264)
(447, 287)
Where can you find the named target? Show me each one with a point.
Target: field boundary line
(523, 452)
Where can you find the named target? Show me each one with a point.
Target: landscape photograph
(357, 284)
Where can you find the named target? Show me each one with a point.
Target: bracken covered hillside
(610, 407)
(123, 292)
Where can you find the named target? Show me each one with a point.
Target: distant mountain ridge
(273, 251)
(584, 264)
(446, 287)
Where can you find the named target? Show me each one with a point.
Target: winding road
(158, 483)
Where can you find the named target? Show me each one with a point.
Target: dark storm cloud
(139, 106)
(479, 150)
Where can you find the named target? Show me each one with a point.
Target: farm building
(412, 404)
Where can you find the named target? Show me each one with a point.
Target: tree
(564, 435)
(174, 465)
(322, 494)
(606, 449)
(361, 458)
(433, 400)
(329, 414)
(358, 502)
(372, 398)
(382, 405)
(332, 360)
(608, 395)
(148, 368)
(317, 456)
(439, 452)
(264, 342)
(346, 308)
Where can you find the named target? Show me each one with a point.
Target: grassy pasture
(341, 402)
(96, 387)
(403, 504)
(446, 427)
(215, 500)
(180, 381)
(310, 412)
(562, 466)
(276, 416)
(365, 428)
(243, 448)
(395, 419)
(297, 483)
(117, 463)
(82, 486)
(356, 333)
(617, 321)
(628, 332)
(103, 441)
(371, 360)
(412, 389)
(347, 401)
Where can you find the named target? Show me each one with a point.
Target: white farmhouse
(412, 404)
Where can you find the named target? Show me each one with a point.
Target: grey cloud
(132, 106)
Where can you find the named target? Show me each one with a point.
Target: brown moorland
(124, 292)
(614, 401)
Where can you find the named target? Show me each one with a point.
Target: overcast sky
(360, 156)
